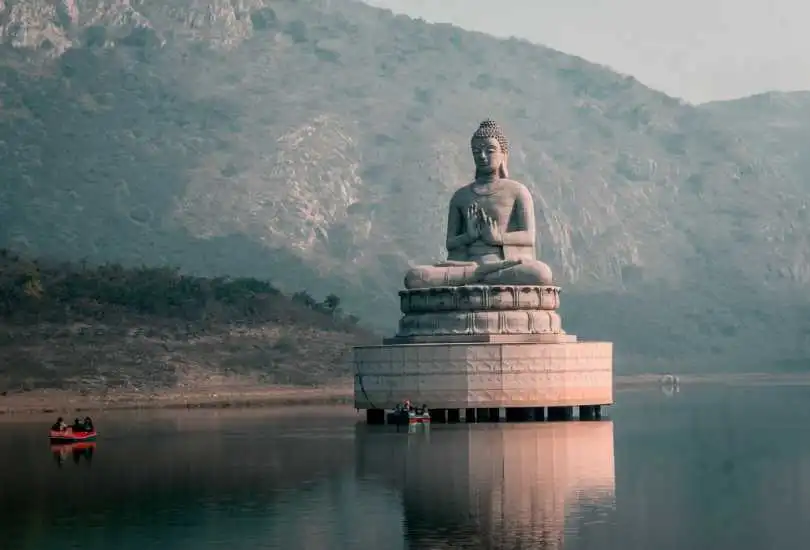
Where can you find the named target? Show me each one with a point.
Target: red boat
(69, 436)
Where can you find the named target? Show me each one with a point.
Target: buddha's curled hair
(491, 129)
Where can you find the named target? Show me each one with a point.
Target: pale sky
(698, 50)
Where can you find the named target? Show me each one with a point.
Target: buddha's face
(487, 155)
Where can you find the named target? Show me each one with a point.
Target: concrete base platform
(461, 375)
(483, 339)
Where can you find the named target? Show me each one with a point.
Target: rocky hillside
(316, 143)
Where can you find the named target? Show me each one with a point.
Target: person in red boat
(60, 425)
(88, 424)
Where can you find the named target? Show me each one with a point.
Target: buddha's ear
(502, 171)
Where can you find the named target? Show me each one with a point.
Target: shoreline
(62, 401)
(242, 396)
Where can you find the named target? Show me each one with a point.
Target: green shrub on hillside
(33, 288)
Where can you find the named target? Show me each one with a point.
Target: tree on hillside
(304, 298)
(331, 303)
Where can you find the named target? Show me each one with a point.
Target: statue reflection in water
(76, 451)
(495, 486)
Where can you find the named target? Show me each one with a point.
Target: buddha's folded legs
(508, 272)
(430, 276)
(527, 272)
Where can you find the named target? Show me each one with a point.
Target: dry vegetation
(152, 334)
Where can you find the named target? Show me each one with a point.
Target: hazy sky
(698, 50)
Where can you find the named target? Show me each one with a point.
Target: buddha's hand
(473, 222)
(490, 231)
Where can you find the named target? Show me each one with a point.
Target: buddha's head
(490, 150)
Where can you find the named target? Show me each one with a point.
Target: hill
(105, 329)
(315, 143)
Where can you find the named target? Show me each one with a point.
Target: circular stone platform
(535, 321)
(479, 298)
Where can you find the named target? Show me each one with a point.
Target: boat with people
(80, 431)
(405, 413)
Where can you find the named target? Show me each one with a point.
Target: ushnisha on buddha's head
(490, 150)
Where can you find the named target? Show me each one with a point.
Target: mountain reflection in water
(494, 486)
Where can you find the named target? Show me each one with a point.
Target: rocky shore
(236, 395)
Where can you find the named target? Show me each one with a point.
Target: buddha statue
(490, 226)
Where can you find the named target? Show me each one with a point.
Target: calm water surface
(711, 467)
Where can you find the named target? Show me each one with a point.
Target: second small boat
(406, 414)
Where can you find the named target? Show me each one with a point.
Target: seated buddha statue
(490, 226)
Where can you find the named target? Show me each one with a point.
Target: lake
(714, 466)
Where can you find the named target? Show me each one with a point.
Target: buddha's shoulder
(515, 186)
(511, 187)
(503, 183)
(463, 192)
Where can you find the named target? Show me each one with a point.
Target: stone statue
(483, 330)
(490, 226)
